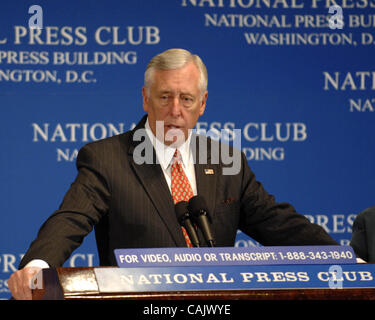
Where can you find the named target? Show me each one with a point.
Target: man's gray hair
(175, 59)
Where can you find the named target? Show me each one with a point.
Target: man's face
(174, 98)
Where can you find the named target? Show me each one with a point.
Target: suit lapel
(206, 173)
(153, 181)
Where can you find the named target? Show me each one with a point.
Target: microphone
(197, 206)
(183, 217)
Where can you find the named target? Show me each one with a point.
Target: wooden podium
(81, 283)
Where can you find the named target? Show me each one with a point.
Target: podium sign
(235, 278)
(221, 256)
(265, 273)
(102, 283)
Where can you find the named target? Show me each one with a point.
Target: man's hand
(21, 282)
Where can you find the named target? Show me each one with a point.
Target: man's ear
(203, 103)
(145, 99)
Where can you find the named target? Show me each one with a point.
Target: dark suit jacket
(363, 237)
(130, 206)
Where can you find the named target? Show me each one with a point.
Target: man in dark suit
(363, 237)
(123, 186)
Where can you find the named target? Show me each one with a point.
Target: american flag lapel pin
(208, 171)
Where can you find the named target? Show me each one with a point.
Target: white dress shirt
(165, 154)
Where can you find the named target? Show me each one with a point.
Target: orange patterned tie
(180, 186)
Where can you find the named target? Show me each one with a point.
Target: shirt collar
(165, 153)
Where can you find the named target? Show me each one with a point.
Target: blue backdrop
(300, 90)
